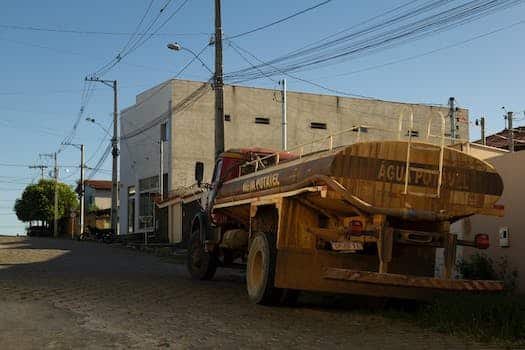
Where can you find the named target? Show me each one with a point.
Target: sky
(43, 71)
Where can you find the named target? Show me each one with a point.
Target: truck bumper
(333, 273)
(391, 279)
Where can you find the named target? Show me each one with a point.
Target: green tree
(37, 202)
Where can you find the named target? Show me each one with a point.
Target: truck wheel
(260, 272)
(201, 264)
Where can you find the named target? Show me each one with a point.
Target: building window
(149, 188)
(262, 120)
(146, 209)
(413, 133)
(359, 129)
(317, 125)
(131, 209)
(227, 118)
(149, 183)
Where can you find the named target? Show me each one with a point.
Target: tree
(37, 202)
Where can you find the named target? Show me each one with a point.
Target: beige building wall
(193, 126)
(511, 167)
(103, 199)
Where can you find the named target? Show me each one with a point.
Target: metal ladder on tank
(411, 146)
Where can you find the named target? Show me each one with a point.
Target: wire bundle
(401, 25)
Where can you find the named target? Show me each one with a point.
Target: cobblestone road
(59, 294)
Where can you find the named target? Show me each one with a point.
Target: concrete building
(253, 117)
(506, 232)
(97, 194)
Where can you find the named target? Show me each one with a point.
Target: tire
(260, 272)
(200, 264)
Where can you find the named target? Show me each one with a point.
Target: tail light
(356, 227)
(482, 241)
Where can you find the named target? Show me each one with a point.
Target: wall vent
(262, 120)
(317, 125)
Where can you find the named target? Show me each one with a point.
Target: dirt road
(60, 294)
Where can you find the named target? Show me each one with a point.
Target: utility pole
(482, 125)
(218, 83)
(55, 176)
(285, 120)
(42, 167)
(115, 152)
(452, 105)
(511, 131)
(55, 223)
(82, 190)
(162, 139)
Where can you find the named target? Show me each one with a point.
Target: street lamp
(178, 47)
(92, 120)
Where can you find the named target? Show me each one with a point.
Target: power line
(141, 40)
(409, 25)
(18, 165)
(166, 83)
(132, 44)
(87, 32)
(183, 105)
(409, 58)
(281, 20)
(324, 87)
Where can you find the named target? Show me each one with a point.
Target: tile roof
(501, 139)
(98, 184)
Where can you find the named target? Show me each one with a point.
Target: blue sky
(42, 72)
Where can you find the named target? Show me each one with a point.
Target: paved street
(59, 294)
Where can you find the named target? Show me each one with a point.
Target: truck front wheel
(200, 263)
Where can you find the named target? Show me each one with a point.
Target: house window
(317, 125)
(413, 133)
(227, 118)
(262, 120)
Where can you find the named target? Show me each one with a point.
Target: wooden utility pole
(82, 190)
(284, 118)
(218, 83)
(114, 168)
(483, 137)
(163, 138)
(115, 152)
(42, 167)
(55, 221)
(510, 116)
(452, 105)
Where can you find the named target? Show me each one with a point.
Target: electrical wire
(87, 32)
(281, 20)
(318, 85)
(413, 23)
(409, 58)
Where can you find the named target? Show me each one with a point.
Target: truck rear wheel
(200, 263)
(260, 273)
